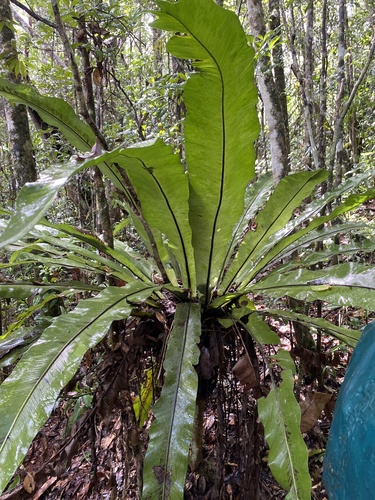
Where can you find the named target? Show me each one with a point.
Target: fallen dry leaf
(244, 371)
(107, 441)
(312, 408)
(29, 483)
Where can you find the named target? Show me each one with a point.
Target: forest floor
(90, 447)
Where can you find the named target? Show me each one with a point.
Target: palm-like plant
(194, 222)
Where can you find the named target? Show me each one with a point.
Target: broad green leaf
(22, 290)
(348, 284)
(284, 360)
(307, 238)
(346, 335)
(62, 252)
(121, 257)
(15, 339)
(166, 459)
(34, 200)
(226, 322)
(74, 262)
(352, 184)
(222, 300)
(162, 189)
(35, 383)
(337, 197)
(60, 114)
(15, 354)
(15, 343)
(42, 302)
(220, 127)
(261, 332)
(145, 264)
(288, 195)
(283, 243)
(280, 415)
(161, 185)
(255, 198)
(358, 243)
(53, 111)
(255, 325)
(139, 227)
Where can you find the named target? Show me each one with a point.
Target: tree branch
(346, 108)
(34, 14)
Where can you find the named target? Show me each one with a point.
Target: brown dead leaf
(96, 76)
(210, 421)
(29, 483)
(312, 408)
(205, 366)
(245, 373)
(329, 407)
(160, 316)
(107, 441)
(45, 487)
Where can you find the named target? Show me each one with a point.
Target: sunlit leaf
(220, 127)
(280, 415)
(171, 433)
(288, 195)
(348, 284)
(53, 111)
(34, 385)
(142, 403)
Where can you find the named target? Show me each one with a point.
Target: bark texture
(16, 115)
(86, 103)
(271, 84)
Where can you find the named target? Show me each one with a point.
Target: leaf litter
(100, 455)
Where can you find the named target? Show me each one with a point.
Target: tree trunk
(16, 115)
(337, 157)
(308, 76)
(271, 93)
(102, 212)
(292, 34)
(322, 116)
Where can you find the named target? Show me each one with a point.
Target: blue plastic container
(349, 462)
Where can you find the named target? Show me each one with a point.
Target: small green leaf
(280, 415)
(142, 403)
(261, 332)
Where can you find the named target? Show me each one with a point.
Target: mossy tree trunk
(16, 115)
